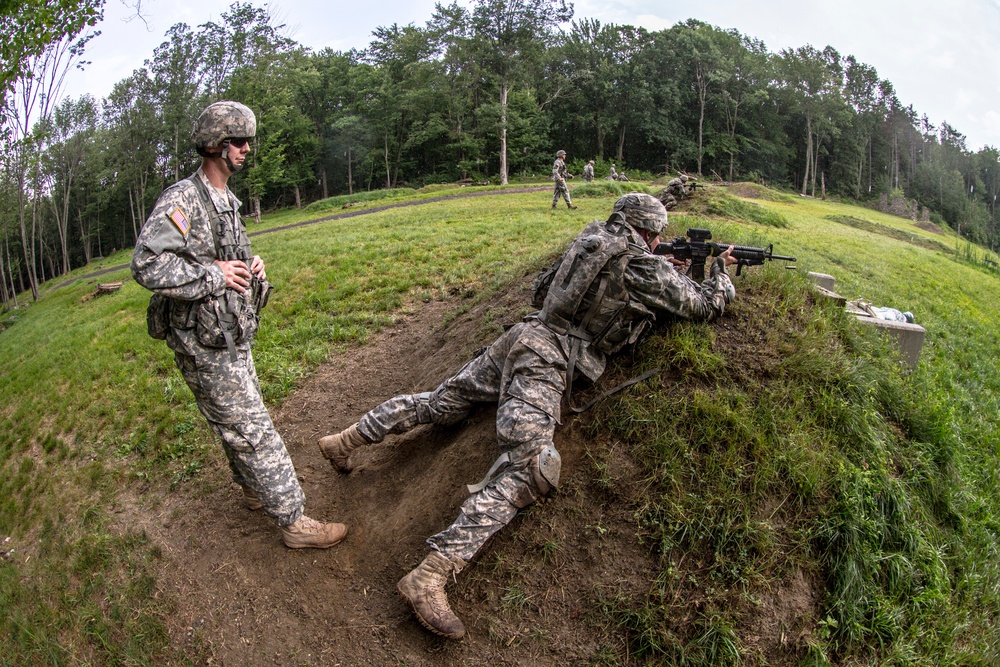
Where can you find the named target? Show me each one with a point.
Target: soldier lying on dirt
(600, 297)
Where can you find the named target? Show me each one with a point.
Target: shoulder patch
(180, 221)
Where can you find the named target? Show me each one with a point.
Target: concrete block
(830, 294)
(824, 280)
(909, 337)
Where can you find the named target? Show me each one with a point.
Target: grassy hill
(785, 492)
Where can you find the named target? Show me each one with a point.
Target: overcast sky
(943, 58)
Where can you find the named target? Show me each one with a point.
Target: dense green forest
(487, 93)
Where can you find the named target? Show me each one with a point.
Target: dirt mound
(529, 598)
(929, 227)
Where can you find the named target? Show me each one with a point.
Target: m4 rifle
(697, 246)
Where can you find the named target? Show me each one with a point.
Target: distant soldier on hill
(588, 172)
(677, 189)
(194, 254)
(598, 299)
(559, 175)
(612, 173)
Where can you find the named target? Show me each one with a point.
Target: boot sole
(420, 618)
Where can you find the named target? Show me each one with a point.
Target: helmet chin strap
(233, 168)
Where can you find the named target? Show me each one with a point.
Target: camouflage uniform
(677, 187)
(524, 372)
(559, 175)
(180, 266)
(588, 172)
(612, 174)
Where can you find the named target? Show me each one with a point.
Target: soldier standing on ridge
(588, 172)
(600, 298)
(559, 175)
(194, 254)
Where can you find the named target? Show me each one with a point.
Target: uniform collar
(223, 201)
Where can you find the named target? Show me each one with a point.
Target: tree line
(487, 92)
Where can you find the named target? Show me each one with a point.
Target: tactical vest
(585, 297)
(225, 320)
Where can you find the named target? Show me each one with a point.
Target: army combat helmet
(560, 153)
(220, 123)
(642, 211)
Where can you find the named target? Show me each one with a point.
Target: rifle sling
(615, 390)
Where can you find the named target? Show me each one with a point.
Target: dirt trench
(244, 599)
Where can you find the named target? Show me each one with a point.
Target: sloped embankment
(602, 571)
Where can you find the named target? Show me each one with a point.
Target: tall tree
(508, 36)
(72, 128)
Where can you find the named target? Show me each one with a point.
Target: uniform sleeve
(163, 261)
(659, 286)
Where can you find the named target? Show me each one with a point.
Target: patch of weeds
(187, 472)
(515, 599)
(550, 549)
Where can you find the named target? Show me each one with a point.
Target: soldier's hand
(257, 267)
(236, 273)
(727, 255)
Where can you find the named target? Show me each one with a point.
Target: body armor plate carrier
(584, 295)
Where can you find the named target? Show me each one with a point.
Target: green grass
(786, 442)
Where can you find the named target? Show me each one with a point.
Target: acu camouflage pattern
(587, 298)
(223, 120)
(524, 373)
(588, 172)
(559, 175)
(181, 267)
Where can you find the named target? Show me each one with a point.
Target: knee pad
(423, 407)
(545, 467)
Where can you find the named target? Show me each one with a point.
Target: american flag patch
(177, 217)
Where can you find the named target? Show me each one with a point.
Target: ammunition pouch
(158, 317)
(226, 321)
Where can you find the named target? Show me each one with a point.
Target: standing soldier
(612, 174)
(588, 172)
(208, 290)
(601, 297)
(559, 175)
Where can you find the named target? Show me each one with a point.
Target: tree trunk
(815, 168)
(621, 146)
(84, 236)
(388, 182)
(809, 152)
(600, 137)
(322, 178)
(503, 133)
(350, 172)
(298, 197)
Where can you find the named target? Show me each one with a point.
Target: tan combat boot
(423, 588)
(337, 448)
(250, 499)
(308, 532)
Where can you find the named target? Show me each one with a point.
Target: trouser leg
(228, 396)
(526, 430)
(450, 403)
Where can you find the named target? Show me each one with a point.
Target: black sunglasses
(239, 142)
